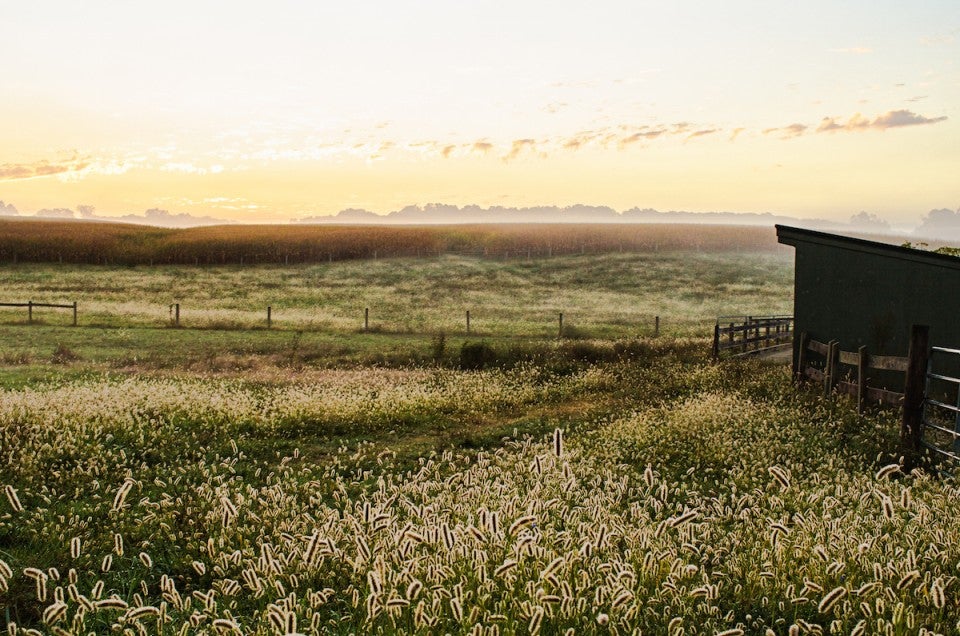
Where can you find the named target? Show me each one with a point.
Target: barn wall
(865, 293)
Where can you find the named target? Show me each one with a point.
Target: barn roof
(793, 235)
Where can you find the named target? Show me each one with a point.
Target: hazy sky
(265, 111)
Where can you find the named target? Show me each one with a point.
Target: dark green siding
(866, 293)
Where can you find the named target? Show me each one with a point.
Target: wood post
(911, 427)
(830, 370)
(269, 316)
(800, 364)
(74, 313)
(656, 327)
(366, 319)
(176, 314)
(30, 312)
(862, 361)
(716, 341)
(468, 322)
(560, 331)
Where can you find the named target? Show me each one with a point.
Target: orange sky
(280, 112)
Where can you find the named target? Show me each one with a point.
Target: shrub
(477, 355)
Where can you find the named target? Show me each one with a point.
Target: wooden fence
(742, 335)
(174, 318)
(850, 373)
(30, 305)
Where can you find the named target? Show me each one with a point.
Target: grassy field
(608, 295)
(316, 479)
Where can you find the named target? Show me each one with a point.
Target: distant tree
(938, 223)
(866, 220)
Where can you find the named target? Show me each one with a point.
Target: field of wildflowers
(706, 500)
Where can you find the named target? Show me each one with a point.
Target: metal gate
(941, 404)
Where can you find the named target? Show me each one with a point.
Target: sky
(272, 111)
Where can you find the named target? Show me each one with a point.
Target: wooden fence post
(911, 427)
(74, 313)
(560, 330)
(468, 322)
(269, 316)
(716, 341)
(30, 312)
(830, 371)
(656, 327)
(799, 371)
(176, 314)
(862, 360)
(366, 319)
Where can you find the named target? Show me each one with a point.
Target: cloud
(891, 119)
(518, 146)
(787, 132)
(7, 209)
(641, 135)
(736, 133)
(899, 118)
(702, 133)
(15, 171)
(447, 151)
(482, 146)
(578, 140)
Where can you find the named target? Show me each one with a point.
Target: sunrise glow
(270, 112)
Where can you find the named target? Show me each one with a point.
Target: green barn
(865, 293)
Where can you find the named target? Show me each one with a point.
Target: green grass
(125, 320)
(223, 478)
(614, 295)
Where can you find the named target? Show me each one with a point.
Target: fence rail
(30, 305)
(855, 381)
(744, 335)
(915, 399)
(562, 328)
